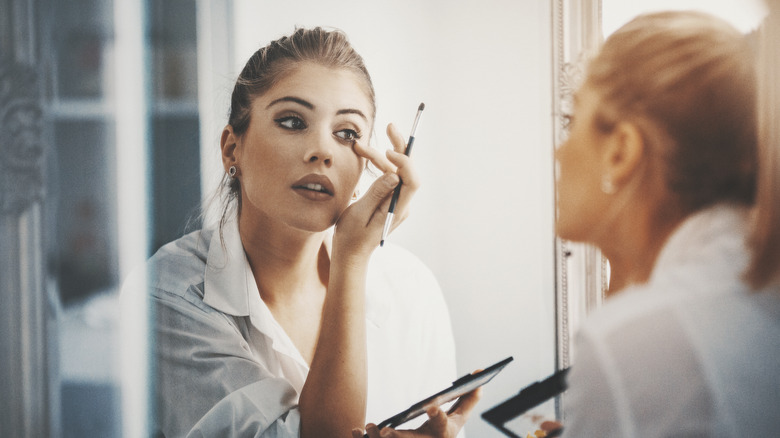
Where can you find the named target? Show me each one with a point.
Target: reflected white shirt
(225, 367)
(691, 353)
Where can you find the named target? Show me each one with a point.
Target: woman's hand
(359, 228)
(395, 161)
(439, 424)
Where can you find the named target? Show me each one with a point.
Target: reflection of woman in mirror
(272, 324)
(660, 172)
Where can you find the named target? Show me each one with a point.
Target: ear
(624, 152)
(229, 144)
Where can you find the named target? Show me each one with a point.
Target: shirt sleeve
(207, 382)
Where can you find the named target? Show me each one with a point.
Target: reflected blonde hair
(687, 81)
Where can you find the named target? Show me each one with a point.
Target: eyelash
(351, 134)
(354, 134)
(282, 120)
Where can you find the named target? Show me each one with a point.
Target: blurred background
(122, 105)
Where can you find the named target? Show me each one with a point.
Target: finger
(437, 420)
(398, 141)
(409, 187)
(465, 398)
(550, 426)
(376, 157)
(465, 405)
(357, 433)
(374, 204)
(405, 168)
(372, 431)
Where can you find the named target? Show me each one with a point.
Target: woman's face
(580, 199)
(296, 161)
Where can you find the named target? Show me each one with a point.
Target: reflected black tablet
(528, 398)
(459, 387)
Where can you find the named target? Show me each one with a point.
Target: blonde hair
(687, 80)
(764, 241)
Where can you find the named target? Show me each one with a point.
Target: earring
(355, 195)
(607, 186)
(232, 171)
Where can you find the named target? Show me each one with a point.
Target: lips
(315, 186)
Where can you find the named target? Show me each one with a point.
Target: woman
(659, 172)
(272, 324)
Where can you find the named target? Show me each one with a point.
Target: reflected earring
(232, 171)
(607, 186)
(355, 195)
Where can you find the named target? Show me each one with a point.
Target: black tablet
(459, 387)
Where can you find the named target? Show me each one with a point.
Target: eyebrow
(310, 106)
(297, 100)
(352, 111)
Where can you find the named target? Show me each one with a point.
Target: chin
(312, 226)
(567, 231)
(313, 223)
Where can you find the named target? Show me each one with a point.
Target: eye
(348, 134)
(291, 123)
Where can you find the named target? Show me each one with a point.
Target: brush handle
(397, 191)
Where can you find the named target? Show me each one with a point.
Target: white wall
(483, 221)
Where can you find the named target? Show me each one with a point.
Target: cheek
(352, 168)
(262, 165)
(574, 188)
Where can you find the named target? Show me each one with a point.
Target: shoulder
(180, 263)
(662, 357)
(633, 367)
(174, 280)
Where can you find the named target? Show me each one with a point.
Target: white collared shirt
(693, 352)
(225, 367)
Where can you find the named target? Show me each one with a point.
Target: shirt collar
(710, 234)
(228, 278)
(229, 282)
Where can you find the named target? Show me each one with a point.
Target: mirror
(132, 97)
(483, 219)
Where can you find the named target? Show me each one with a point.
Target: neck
(285, 262)
(634, 245)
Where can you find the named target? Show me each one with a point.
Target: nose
(320, 148)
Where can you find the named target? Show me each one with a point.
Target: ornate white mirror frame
(581, 271)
